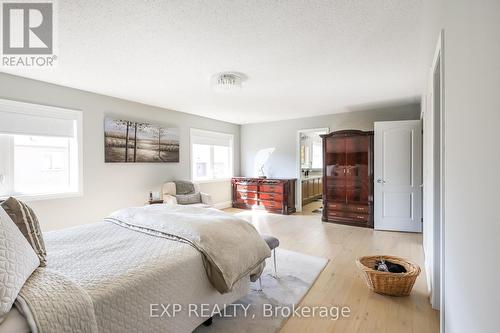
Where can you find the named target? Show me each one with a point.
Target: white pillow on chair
(17, 261)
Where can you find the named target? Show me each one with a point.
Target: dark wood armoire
(348, 177)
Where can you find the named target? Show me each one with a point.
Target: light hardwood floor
(340, 284)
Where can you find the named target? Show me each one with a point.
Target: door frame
(298, 169)
(438, 189)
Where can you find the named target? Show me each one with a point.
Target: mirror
(311, 149)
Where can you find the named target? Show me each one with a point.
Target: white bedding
(125, 271)
(231, 247)
(14, 322)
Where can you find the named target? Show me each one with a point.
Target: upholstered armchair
(185, 193)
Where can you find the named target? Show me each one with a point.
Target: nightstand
(154, 202)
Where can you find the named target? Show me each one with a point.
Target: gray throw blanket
(231, 248)
(54, 303)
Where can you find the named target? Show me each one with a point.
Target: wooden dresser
(272, 195)
(348, 178)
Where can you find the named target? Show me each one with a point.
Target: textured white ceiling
(302, 58)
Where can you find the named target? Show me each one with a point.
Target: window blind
(210, 138)
(37, 120)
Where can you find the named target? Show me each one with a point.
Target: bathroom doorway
(310, 170)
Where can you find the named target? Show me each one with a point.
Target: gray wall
(108, 187)
(282, 135)
(472, 165)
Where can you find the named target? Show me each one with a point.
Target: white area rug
(296, 274)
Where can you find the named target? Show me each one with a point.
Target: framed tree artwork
(128, 141)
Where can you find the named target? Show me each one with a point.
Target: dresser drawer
(336, 213)
(338, 206)
(245, 187)
(358, 217)
(271, 204)
(362, 209)
(348, 217)
(246, 195)
(248, 202)
(271, 188)
(271, 196)
(353, 208)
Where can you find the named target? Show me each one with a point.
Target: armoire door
(357, 170)
(335, 171)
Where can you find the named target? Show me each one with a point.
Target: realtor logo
(28, 29)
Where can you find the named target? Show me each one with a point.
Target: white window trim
(55, 112)
(230, 136)
(208, 181)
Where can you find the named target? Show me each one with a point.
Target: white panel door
(398, 175)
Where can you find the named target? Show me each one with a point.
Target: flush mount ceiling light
(227, 81)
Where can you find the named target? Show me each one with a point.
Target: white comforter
(125, 271)
(231, 247)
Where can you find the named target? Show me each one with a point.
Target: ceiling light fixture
(227, 81)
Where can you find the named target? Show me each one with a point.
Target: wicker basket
(386, 283)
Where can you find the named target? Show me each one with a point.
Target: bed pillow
(17, 262)
(25, 219)
(188, 199)
(183, 187)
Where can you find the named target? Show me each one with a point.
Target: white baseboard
(223, 205)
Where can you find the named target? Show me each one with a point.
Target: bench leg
(259, 289)
(274, 260)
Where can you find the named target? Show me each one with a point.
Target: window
(211, 155)
(40, 151)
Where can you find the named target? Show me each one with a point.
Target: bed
(126, 274)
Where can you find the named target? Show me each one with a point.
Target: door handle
(380, 181)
